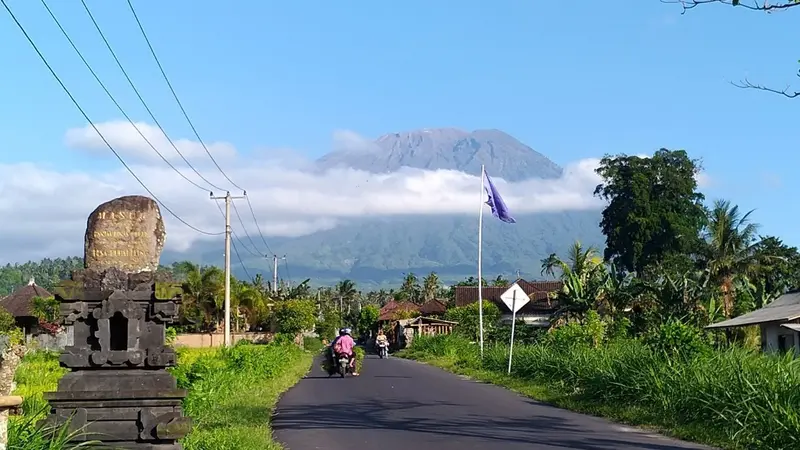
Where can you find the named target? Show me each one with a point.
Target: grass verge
(732, 400)
(231, 395)
(233, 392)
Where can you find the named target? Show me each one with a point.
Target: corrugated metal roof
(784, 308)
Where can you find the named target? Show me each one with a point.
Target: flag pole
(480, 262)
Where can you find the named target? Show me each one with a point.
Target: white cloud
(127, 140)
(45, 210)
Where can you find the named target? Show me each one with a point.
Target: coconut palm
(730, 250)
(430, 286)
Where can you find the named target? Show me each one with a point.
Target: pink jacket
(346, 344)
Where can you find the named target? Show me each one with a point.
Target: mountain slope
(447, 148)
(378, 251)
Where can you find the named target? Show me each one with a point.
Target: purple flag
(499, 208)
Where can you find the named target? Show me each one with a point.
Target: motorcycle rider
(344, 345)
(381, 339)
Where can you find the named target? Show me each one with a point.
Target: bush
(295, 316)
(675, 338)
(468, 319)
(7, 322)
(367, 319)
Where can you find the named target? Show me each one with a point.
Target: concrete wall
(771, 334)
(206, 340)
(537, 320)
(46, 341)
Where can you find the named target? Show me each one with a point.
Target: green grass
(733, 399)
(231, 395)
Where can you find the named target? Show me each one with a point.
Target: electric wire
(114, 100)
(233, 244)
(152, 116)
(138, 95)
(241, 222)
(94, 126)
(175, 95)
(258, 227)
(286, 265)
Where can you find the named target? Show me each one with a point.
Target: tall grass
(740, 398)
(232, 393)
(231, 396)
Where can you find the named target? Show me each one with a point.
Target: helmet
(342, 331)
(348, 331)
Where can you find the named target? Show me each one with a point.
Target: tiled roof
(18, 303)
(538, 291)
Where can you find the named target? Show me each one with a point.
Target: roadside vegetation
(231, 395)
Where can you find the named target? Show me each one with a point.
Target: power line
(175, 95)
(110, 96)
(236, 211)
(286, 265)
(86, 116)
(149, 111)
(250, 205)
(135, 90)
(235, 250)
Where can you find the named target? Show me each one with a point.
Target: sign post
(515, 298)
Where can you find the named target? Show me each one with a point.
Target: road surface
(404, 405)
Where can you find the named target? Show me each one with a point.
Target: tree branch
(787, 92)
(754, 5)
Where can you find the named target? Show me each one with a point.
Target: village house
(538, 312)
(20, 305)
(779, 322)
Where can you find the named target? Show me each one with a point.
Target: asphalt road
(403, 405)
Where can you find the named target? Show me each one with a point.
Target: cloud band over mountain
(46, 209)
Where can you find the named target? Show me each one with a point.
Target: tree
(753, 5)
(368, 319)
(430, 286)
(583, 275)
(295, 316)
(654, 209)
(410, 290)
(500, 281)
(777, 270)
(730, 250)
(203, 294)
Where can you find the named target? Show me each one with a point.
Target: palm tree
(583, 275)
(203, 293)
(410, 289)
(430, 286)
(730, 251)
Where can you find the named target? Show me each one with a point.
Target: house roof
(784, 308)
(18, 303)
(792, 326)
(538, 291)
(433, 307)
(390, 310)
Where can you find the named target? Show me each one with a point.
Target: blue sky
(572, 82)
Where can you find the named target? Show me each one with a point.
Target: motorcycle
(343, 364)
(383, 349)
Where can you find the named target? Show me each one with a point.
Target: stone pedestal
(119, 391)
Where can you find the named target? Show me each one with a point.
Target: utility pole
(228, 198)
(275, 272)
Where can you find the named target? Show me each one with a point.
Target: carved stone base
(136, 419)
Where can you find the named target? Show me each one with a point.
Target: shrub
(295, 316)
(675, 338)
(7, 322)
(468, 319)
(367, 319)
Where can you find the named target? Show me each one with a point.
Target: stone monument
(118, 390)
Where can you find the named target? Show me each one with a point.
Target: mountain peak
(449, 148)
